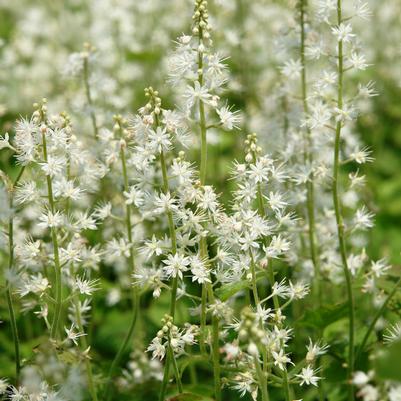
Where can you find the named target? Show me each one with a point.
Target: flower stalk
(57, 266)
(308, 158)
(338, 211)
(9, 297)
(135, 300)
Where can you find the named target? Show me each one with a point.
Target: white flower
(27, 192)
(3, 386)
(280, 359)
(358, 61)
(363, 219)
(157, 348)
(208, 199)
(369, 393)
(393, 333)
(70, 254)
(379, 267)
(347, 113)
(259, 172)
(175, 265)
(360, 378)
(51, 220)
(164, 203)
(292, 69)
(73, 335)
(315, 350)
(308, 377)
(152, 247)
(5, 143)
(343, 32)
(83, 221)
(277, 247)
(53, 166)
(298, 290)
(134, 196)
(159, 140)
(248, 241)
(66, 189)
(362, 10)
(102, 211)
(85, 286)
(362, 156)
(280, 289)
(199, 270)
(228, 119)
(196, 93)
(394, 394)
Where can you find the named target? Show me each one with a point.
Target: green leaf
(387, 362)
(325, 316)
(228, 290)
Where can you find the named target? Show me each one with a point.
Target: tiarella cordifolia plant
(156, 254)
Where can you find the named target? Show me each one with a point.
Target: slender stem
(173, 299)
(13, 320)
(89, 97)
(84, 347)
(121, 351)
(262, 379)
(262, 213)
(286, 386)
(254, 284)
(203, 320)
(376, 318)
(175, 368)
(202, 122)
(57, 265)
(338, 214)
(135, 295)
(203, 242)
(216, 353)
(308, 157)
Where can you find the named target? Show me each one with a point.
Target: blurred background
(39, 42)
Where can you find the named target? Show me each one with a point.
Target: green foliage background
(380, 129)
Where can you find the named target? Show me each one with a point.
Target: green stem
(254, 284)
(262, 379)
(13, 320)
(89, 98)
(135, 295)
(286, 386)
(173, 299)
(203, 320)
(175, 368)
(308, 156)
(84, 347)
(203, 245)
(376, 318)
(121, 351)
(57, 266)
(338, 214)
